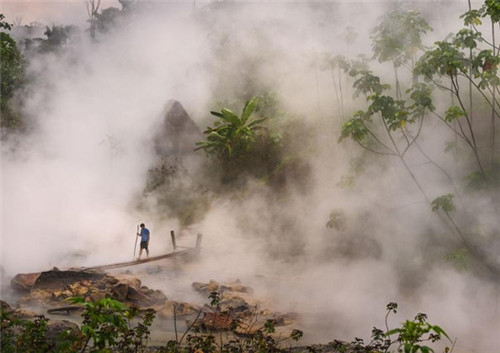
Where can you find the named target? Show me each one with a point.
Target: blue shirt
(144, 235)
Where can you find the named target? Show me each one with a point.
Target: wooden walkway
(176, 253)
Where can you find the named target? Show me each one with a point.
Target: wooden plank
(139, 262)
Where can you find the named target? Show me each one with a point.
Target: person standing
(144, 234)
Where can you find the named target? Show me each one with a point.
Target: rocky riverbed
(236, 310)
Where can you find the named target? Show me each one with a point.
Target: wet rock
(236, 288)
(6, 308)
(155, 296)
(24, 281)
(52, 288)
(130, 281)
(32, 303)
(23, 314)
(79, 289)
(206, 288)
(181, 309)
(234, 304)
(56, 327)
(215, 322)
(229, 287)
(54, 280)
(120, 291)
(97, 295)
(62, 294)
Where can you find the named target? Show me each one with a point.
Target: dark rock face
(54, 280)
(178, 134)
(170, 180)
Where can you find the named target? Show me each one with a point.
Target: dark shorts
(144, 245)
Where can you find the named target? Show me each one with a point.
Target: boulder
(181, 309)
(215, 322)
(129, 280)
(24, 281)
(56, 327)
(55, 279)
(234, 304)
(178, 133)
(120, 291)
(205, 288)
(6, 308)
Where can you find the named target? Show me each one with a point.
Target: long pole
(135, 246)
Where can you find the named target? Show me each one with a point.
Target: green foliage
(411, 337)
(3, 24)
(444, 202)
(445, 59)
(492, 8)
(395, 114)
(23, 335)
(398, 37)
(355, 128)
(453, 113)
(107, 324)
(107, 327)
(367, 83)
(472, 17)
(232, 136)
(58, 37)
(337, 220)
(413, 332)
(460, 259)
(420, 94)
(11, 72)
(484, 180)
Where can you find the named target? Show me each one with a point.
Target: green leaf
(444, 202)
(249, 108)
(253, 123)
(392, 332)
(230, 116)
(453, 113)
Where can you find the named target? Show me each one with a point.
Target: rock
(97, 295)
(138, 297)
(24, 281)
(129, 280)
(155, 296)
(51, 289)
(56, 327)
(181, 309)
(178, 133)
(54, 280)
(79, 289)
(5, 307)
(206, 288)
(23, 314)
(120, 291)
(215, 322)
(238, 288)
(32, 303)
(44, 295)
(61, 295)
(234, 304)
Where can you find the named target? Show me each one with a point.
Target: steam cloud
(70, 188)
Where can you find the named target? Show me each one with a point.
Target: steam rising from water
(69, 190)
